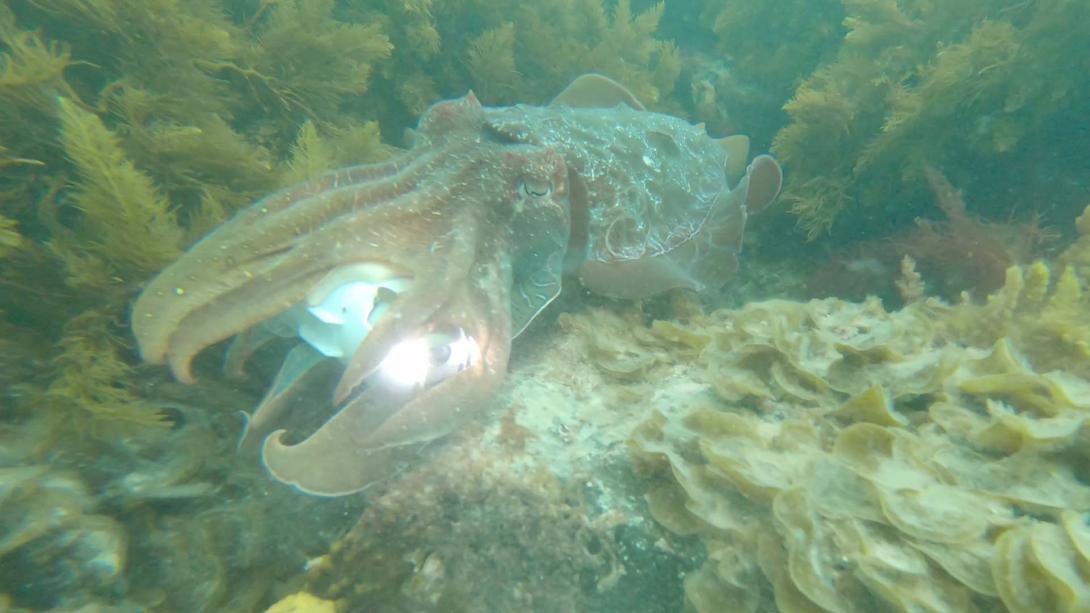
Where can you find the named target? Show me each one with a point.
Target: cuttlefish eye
(536, 188)
(440, 354)
(431, 358)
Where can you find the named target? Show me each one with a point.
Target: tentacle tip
(284, 470)
(182, 368)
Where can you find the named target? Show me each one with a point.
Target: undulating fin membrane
(596, 91)
(765, 180)
(736, 150)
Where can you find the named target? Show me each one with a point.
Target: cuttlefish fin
(764, 177)
(736, 149)
(636, 279)
(596, 91)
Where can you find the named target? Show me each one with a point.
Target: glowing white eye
(440, 355)
(429, 359)
(407, 363)
(536, 189)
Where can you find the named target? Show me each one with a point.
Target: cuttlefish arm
(266, 259)
(442, 219)
(440, 351)
(424, 388)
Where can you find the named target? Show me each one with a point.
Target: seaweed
(963, 253)
(157, 46)
(915, 84)
(329, 59)
(1042, 307)
(91, 381)
(621, 45)
(508, 52)
(310, 155)
(188, 157)
(959, 255)
(126, 222)
(10, 239)
(754, 57)
(30, 65)
(129, 129)
(491, 58)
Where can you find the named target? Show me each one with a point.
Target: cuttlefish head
(411, 276)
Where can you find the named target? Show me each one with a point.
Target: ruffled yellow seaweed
(1047, 319)
(1077, 256)
(870, 460)
(872, 406)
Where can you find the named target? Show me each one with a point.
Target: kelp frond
(10, 239)
(491, 59)
(29, 61)
(310, 156)
(308, 61)
(187, 157)
(126, 221)
(92, 382)
(621, 45)
(314, 153)
(358, 143)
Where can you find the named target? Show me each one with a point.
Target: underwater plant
(10, 239)
(127, 226)
(916, 84)
(856, 459)
(958, 254)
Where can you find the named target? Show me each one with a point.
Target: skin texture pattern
(406, 281)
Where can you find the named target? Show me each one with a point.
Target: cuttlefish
(406, 281)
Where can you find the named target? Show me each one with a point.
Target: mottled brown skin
(479, 215)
